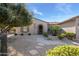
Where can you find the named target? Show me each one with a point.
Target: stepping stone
(41, 44)
(19, 54)
(12, 53)
(10, 48)
(38, 47)
(33, 52)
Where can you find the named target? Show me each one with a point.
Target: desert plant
(45, 34)
(54, 30)
(66, 50)
(61, 36)
(70, 35)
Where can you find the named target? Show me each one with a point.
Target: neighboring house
(70, 25)
(37, 27)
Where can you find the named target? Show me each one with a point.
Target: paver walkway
(34, 45)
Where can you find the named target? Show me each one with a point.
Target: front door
(40, 29)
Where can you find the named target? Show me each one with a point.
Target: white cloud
(35, 11)
(65, 8)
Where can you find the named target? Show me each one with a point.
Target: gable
(41, 21)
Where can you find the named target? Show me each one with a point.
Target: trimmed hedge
(66, 50)
(61, 36)
(70, 36)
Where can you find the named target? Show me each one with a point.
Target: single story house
(37, 27)
(70, 25)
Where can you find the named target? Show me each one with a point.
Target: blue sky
(54, 12)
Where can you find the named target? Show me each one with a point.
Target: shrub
(45, 34)
(67, 50)
(21, 34)
(14, 30)
(70, 36)
(54, 30)
(29, 34)
(61, 36)
(49, 38)
(15, 34)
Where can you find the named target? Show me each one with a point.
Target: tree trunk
(4, 44)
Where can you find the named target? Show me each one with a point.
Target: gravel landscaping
(34, 45)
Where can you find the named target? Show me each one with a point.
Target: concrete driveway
(34, 45)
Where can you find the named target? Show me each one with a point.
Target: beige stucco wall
(77, 28)
(33, 28)
(69, 26)
(18, 30)
(36, 23)
(70, 29)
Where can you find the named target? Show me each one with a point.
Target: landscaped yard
(35, 45)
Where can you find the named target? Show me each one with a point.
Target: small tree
(12, 15)
(54, 29)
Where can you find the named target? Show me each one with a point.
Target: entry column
(77, 28)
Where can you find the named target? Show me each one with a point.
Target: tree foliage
(14, 15)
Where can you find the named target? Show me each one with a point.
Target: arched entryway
(40, 29)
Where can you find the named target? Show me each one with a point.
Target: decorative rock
(38, 47)
(12, 53)
(25, 48)
(41, 44)
(33, 52)
(19, 54)
(10, 48)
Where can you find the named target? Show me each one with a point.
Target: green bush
(13, 29)
(66, 50)
(49, 38)
(61, 36)
(70, 36)
(55, 30)
(45, 34)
